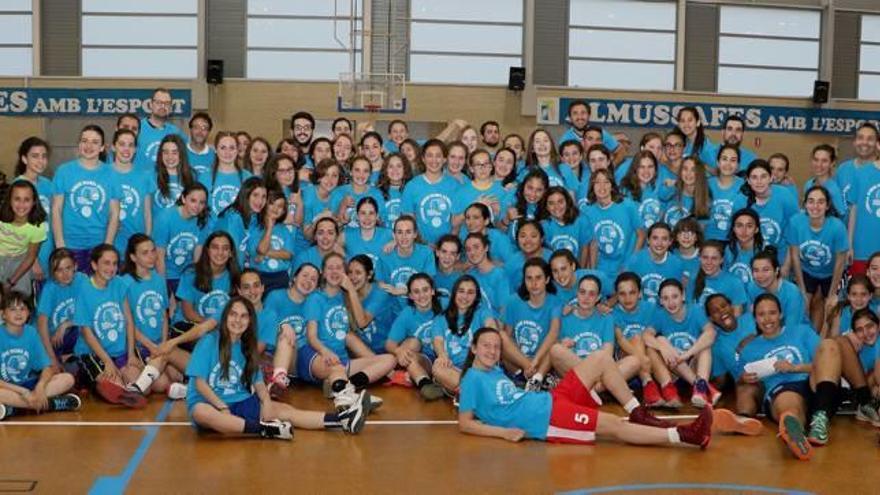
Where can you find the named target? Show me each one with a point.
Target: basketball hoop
(372, 108)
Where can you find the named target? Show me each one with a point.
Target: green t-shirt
(16, 239)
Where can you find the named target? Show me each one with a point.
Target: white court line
(186, 423)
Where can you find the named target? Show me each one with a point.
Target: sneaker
(116, 394)
(868, 413)
(282, 430)
(345, 398)
(792, 433)
(699, 431)
(551, 381)
(533, 385)
(818, 429)
(725, 421)
(670, 395)
(177, 391)
(431, 392)
(5, 411)
(642, 416)
(354, 417)
(278, 385)
(66, 402)
(651, 395)
(399, 378)
(700, 397)
(714, 394)
(374, 403)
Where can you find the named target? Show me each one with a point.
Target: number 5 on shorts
(582, 418)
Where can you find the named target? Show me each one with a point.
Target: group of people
(520, 277)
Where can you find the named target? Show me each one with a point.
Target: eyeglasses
(302, 128)
(162, 103)
(677, 146)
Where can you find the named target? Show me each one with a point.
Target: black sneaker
(66, 402)
(354, 417)
(282, 430)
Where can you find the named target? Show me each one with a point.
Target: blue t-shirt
(87, 195)
(774, 215)
(573, 237)
(739, 265)
(443, 282)
(205, 364)
(720, 283)
(836, 194)
(865, 195)
(283, 239)
(132, 188)
(818, 249)
(355, 243)
(207, 304)
(650, 205)
(568, 296)
(346, 190)
(412, 323)
(392, 205)
(431, 205)
(201, 162)
(796, 344)
(162, 202)
(721, 207)
(149, 138)
(632, 324)
(531, 325)
(469, 194)
(614, 230)
(494, 287)
(231, 222)
(101, 311)
(22, 356)
(379, 304)
(179, 237)
(845, 176)
(222, 188)
(496, 401)
(457, 345)
(724, 349)
(396, 270)
(148, 300)
(331, 316)
(793, 304)
(681, 334)
(589, 334)
(691, 264)
(57, 302)
(706, 153)
(500, 247)
(313, 205)
(559, 175)
(653, 273)
(283, 310)
(608, 139)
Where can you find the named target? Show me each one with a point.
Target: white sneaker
(346, 397)
(177, 391)
(282, 430)
(534, 385)
(374, 403)
(353, 418)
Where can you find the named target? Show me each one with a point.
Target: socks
(672, 434)
(331, 420)
(631, 405)
(360, 380)
(422, 382)
(338, 386)
(146, 378)
(253, 427)
(826, 396)
(863, 395)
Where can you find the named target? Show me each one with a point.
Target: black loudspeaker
(215, 72)
(820, 91)
(517, 79)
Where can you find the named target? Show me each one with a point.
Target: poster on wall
(648, 114)
(59, 102)
(548, 111)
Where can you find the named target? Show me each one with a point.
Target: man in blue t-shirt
(154, 127)
(579, 120)
(733, 132)
(198, 151)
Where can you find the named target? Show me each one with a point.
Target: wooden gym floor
(407, 447)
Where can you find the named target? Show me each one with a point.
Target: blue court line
(683, 486)
(117, 484)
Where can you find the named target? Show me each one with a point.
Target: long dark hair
(746, 188)
(766, 297)
(436, 307)
(832, 211)
(204, 280)
(216, 165)
(384, 182)
(270, 172)
(202, 219)
(571, 211)
(522, 291)
(128, 266)
(248, 343)
(616, 197)
(511, 177)
(36, 216)
(24, 148)
(452, 310)
(242, 201)
(469, 360)
(521, 203)
(700, 137)
(184, 172)
(630, 181)
(733, 243)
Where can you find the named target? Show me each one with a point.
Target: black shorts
(801, 388)
(812, 283)
(91, 366)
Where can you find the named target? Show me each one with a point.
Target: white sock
(177, 391)
(672, 433)
(538, 377)
(146, 378)
(632, 404)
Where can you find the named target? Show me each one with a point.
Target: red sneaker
(117, 394)
(670, 395)
(698, 432)
(641, 416)
(714, 394)
(700, 396)
(399, 378)
(651, 395)
(278, 385)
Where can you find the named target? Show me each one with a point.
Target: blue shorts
(68, 342)
(247, 409)
(305, 355)
(801, 388)
(30, 383)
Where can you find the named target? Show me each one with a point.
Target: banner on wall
(59, 102)
(643, 113)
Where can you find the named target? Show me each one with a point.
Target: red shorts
(575, 412)
(858, 267)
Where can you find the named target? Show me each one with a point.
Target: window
(305, 40)
(768, 51)
(127, 38)
(466, 42)
(869, 59)
(16, 38)
(622, 44)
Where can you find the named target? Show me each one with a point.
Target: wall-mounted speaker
(820, 91)
(214, 72)
(517, 79)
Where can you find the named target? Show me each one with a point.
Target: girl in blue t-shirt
(396, 171)
(33, 158)
(566, 274)
(106, 346)
(494, 286)
(242, 216)
(55, 307)
(85, 208)
(378, 314)
(773, 204)
(411, 339)
(147, 298)
(655, 263)
(617, 227)
(447, 255)
(483, 189)
(571, 154)
(205, 289)
(478, 219)
(226, 176)
(316, 199)
(326, 240)
(698, 143)
(859, 291)
(326, 357)
(803, 383)
(690, 196)
(640, 184)
(281, 173)
(28, 381)
(585, 331)
(492, 406)
(743, 240)
(172, 175)
(723, 191)
(134, 188)
(858, 356)
(272, 243)
(230, 397)
(368, 237)
(456, 159)
(345, 198)
(405, 258)
(179, 234)
(454, 328)
(525, 203)
(687, 238)
(256, 155)
(504, 165)
(428, 197)
(767, 279)
(711, 279)
(819, 248)
(564, 227)
(531, 323)
(684, 339)
(541, 155)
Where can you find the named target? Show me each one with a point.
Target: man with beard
(579, 121)
(865, 145)
(155, 126)
(302, 129)
(733, 132)
(490, 134)
(200, 153)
